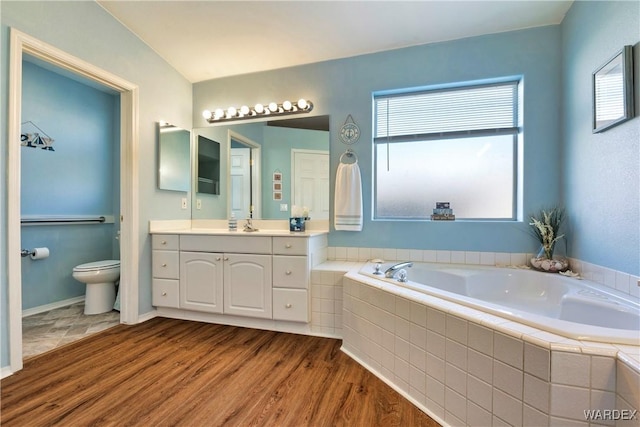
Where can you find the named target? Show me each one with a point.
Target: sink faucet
(391, 271)
(248, 226)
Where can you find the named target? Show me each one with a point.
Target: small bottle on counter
(233, 223)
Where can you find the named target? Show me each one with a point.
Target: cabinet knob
(226, 258)
(288, 305)
(164, 264)
(288, 272)
(288, 246)
(218, 258)
(164, 242)
(164, 294)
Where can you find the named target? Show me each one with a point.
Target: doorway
(21, 43)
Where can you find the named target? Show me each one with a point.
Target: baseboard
(52, 306)
(5, 372)
(148, 316)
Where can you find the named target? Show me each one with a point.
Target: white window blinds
(447, 113)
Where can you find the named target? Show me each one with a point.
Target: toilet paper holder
(26, 252)
(35, 253)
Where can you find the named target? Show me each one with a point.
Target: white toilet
(100, 277)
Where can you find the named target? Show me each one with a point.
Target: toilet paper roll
(40, 253)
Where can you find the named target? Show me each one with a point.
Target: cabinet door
(247, 285)
(201, 276)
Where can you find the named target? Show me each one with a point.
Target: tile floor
(45, 331)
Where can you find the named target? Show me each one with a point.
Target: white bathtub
(573, 308)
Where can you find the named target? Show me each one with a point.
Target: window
(457, 145)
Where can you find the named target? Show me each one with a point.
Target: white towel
(348, 198)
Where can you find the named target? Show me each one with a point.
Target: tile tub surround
(465, 367)
(623, 282)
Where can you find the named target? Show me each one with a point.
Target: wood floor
(167, 372)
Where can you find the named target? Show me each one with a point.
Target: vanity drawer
(165, 264)
(291, 304)
(165, 241)
(165, 293)
(241, 243)
(290, 245)
(290, 272)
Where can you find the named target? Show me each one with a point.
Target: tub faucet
(391, 271)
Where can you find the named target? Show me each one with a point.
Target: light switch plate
(184, 203)
(284, 207)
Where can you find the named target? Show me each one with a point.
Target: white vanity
(259, 279)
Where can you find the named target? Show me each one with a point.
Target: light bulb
(273, 107)
(287, 105)
(231, 111)
(259, 108)
(219, 113)
(302, 104)
(206, 114)
(244, 110)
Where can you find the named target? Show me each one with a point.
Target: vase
(548, 260)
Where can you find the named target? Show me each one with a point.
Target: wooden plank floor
(167, 372)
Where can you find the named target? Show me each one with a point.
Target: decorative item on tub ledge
(259, 110)
(546, 228)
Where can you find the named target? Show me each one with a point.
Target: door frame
(21, 43)
(256, 173)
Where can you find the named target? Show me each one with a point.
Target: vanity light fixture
(259, 110)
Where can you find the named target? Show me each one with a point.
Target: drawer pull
(288, 246)
(288, 305)
(164, 242)
(288, 272)
(164, 294)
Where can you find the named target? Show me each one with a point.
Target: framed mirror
(613, 91)
(174, 172)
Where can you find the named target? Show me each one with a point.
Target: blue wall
(345, 86)
(81, 177)
(601, 172)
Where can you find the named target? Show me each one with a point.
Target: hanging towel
(348, 198)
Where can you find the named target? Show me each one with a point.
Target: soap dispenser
(233, 223)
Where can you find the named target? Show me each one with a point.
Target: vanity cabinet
(258, 276)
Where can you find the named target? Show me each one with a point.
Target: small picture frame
(277, 195)
(277, 186)
(277, 176)
(613, 91)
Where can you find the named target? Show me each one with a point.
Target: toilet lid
(111, 263)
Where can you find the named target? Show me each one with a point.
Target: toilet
(100, 278)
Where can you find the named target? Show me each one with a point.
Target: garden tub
(577, 309)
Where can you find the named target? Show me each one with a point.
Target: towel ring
(349, 153)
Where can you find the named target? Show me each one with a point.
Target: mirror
(254, 155)
(208, 166)
(613, 91)
(173, 157)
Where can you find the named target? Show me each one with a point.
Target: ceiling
(210, 39)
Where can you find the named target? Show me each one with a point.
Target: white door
(240, 175)
(311, 182)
